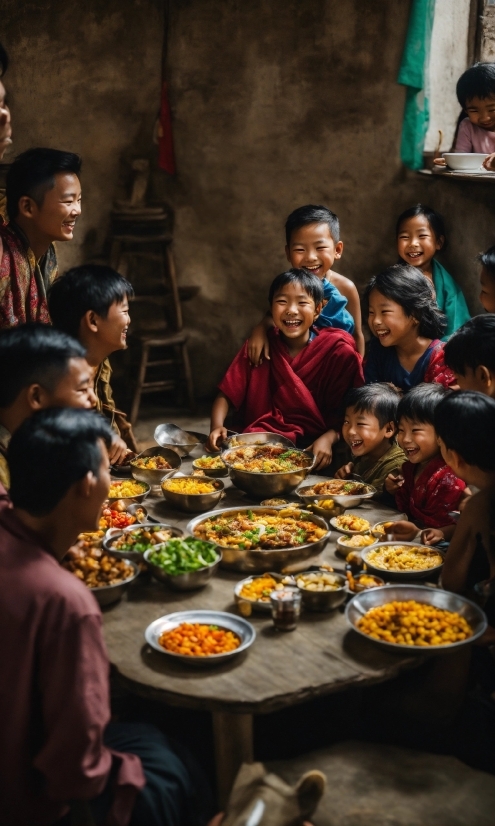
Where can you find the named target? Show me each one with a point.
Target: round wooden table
(321, 656)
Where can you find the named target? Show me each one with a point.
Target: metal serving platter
(346, 500)
(261, 438)
(230, 622)
(400, 576)
(167, 435)
(259, 561)
(266, 485)
(363, 602)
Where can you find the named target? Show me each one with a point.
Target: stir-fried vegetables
(180, 556)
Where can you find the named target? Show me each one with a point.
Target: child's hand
(393, 482)
(432, 536)
(215, 439)
(466, 495)
(440, 162)
(489, 162)
(118, 451)
(344, 471)
(322, 449)
(258, 345)
(403, 531)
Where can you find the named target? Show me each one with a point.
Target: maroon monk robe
(296, 397)
(54, 689)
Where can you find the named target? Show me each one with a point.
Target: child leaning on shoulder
(406, 325)
(299, 391)
(369, 430)
(427, 489)
(470, 354)
(420, 233)
(313, 243)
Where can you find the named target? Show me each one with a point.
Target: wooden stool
(176, 341)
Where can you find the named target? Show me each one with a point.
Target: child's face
(418, 440)
(487, 294)
(313, 248)
(388, 321)
(481, 380)
(417, 243)
(293, 311)
(112, 330)
(481, 112)
(362, 432)
(56, 217)
(75, 388)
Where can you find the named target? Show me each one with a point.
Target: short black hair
(380, 399)
(411, 289)
(487, 260)
(465, 421)
(311, 214)
(434, 219)
(33, 173)
(88, 287)
(34, 354)
(4, 61)
(420, 403)
(310, 283)
(476, 82)
(52, 450)
(472, 345)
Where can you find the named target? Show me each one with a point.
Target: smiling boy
(299, 391)
(43, 205)
(91, 303)
(470, 354)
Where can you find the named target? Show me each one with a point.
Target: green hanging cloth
(413, 74)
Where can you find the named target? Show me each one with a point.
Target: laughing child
(427, 489)
(470, 354)
(299, 391)
(313, 243)
(406, 324)
(369, 430)
(420, 235)
(487, 279)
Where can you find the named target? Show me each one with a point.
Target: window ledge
(458, 176)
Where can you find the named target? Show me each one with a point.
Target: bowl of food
(184, 564)
(127, 490)
(321, 590)
(253, 593)
(262, 438)
(381, 529)
(415, 618)
(355, 542)
(211, 465)
(363, 582)
(131, 543)
(183, 442)
(154, 464)
(267, 470)
(325, 507)
(350, 524)
(120, 516)
(261, 539)
(345, 492)
(105, 575)
(275, 502)
(403, 560)
(200, 638)
(465, 161)
(193, 494)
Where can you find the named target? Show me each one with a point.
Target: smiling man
(43, 205)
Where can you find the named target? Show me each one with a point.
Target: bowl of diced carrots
(200, 638)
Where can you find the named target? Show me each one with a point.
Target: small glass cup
(286, 608)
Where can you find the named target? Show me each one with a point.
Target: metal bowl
(230, 622)
(135, 556)
(130, 500)
(262, 438)
(112, 593)
(344, 500)
(183, 582)
(361, 603)
(154, 477)
(247, 606)
(265, 485)
(214, 473)
(322, 600)
(346, 549)
(348, 531)
(380, 534)
(259, 561)
(327, 513)
(194, 502)
(166, 436)
(398, 576)
(379, 582)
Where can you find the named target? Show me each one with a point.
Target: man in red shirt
(54, 678)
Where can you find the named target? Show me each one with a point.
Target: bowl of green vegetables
(183, 563)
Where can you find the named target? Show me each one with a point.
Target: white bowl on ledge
(465, 161)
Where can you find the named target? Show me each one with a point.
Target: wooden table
(281, 669)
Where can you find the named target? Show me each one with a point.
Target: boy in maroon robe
(299, 391)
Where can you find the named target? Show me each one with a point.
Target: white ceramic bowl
(464, 161)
